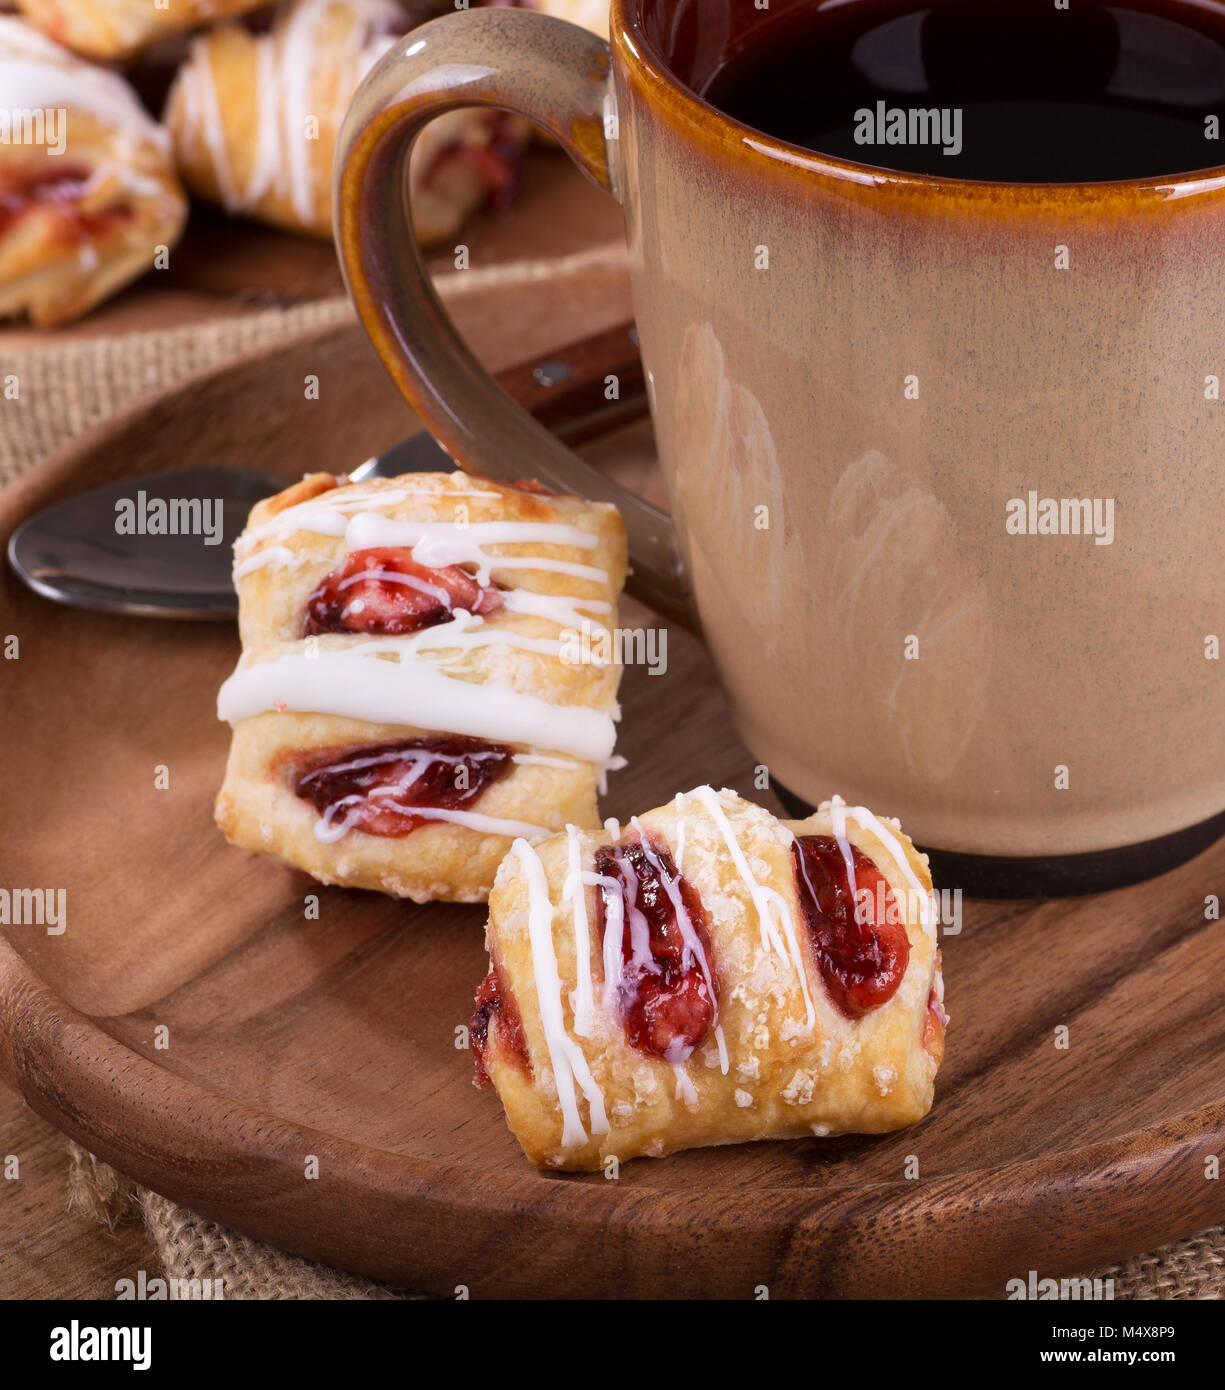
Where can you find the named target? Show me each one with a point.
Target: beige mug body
(869, 391)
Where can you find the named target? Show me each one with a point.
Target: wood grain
(335, 1038)
(49, 1251)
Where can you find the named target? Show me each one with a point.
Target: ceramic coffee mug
(869, 391)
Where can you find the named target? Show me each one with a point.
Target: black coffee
(1007, 90)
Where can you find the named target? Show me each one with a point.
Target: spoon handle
(584, 389)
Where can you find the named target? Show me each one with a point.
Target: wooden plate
(193, 1027)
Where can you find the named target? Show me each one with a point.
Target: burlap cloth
(65, 389)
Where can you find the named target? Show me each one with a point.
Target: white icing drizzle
(266, 168)
(768, 902)
(837, 819)
(678, 854)
(442, 489)
(693, 942)
(617, 893)
(721, 1044)
(543, 760)
(412, 692)
(205, 107)
(685, 1091)
(565, 1055)
(279, 555)
(556, 608)
(867, 821)
(287, 61)
(36, 73)
(341, 815)
(437, 544)
(566, 612)
(640, 931)
(296, 68)
(464, 632)
(614, 935)
(683, 917)
(325, 515)
(575, 893)
(615, 764)
(407, 581)
(488, 825)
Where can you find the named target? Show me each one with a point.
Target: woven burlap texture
(192, 1249)
(51, 394)
(64, 390)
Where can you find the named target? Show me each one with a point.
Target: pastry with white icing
(255, 117)
(588, 14)
(709, 974)
(412, 696)
(110, 29)
(89, 198)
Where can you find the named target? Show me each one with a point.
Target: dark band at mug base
(1054, 875)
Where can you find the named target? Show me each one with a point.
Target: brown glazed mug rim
(716, 128)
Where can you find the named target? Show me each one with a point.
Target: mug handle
(557, 76)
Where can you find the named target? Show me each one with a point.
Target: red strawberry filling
(56, 187)
(498, 164)
(665, 991)
(493, 1001)
(384, 591)
(862, 956)
(382, 788)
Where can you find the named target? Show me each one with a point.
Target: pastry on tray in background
(89, 196)
(708, 974)
(590, 14)
(111, 29)
(255, 117)
(411, 696)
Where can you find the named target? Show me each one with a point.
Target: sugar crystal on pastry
(709, 974)
(402, 711)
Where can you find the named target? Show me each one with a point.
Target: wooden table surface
(46, 1251)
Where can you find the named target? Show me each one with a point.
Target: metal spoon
(103, 550)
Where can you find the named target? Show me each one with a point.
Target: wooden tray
(335, 1038)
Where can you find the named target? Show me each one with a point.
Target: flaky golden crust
(784, 1078)
(257, 810)
(280, 564)
(255, 117)
(89, 199)
(110, 29)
